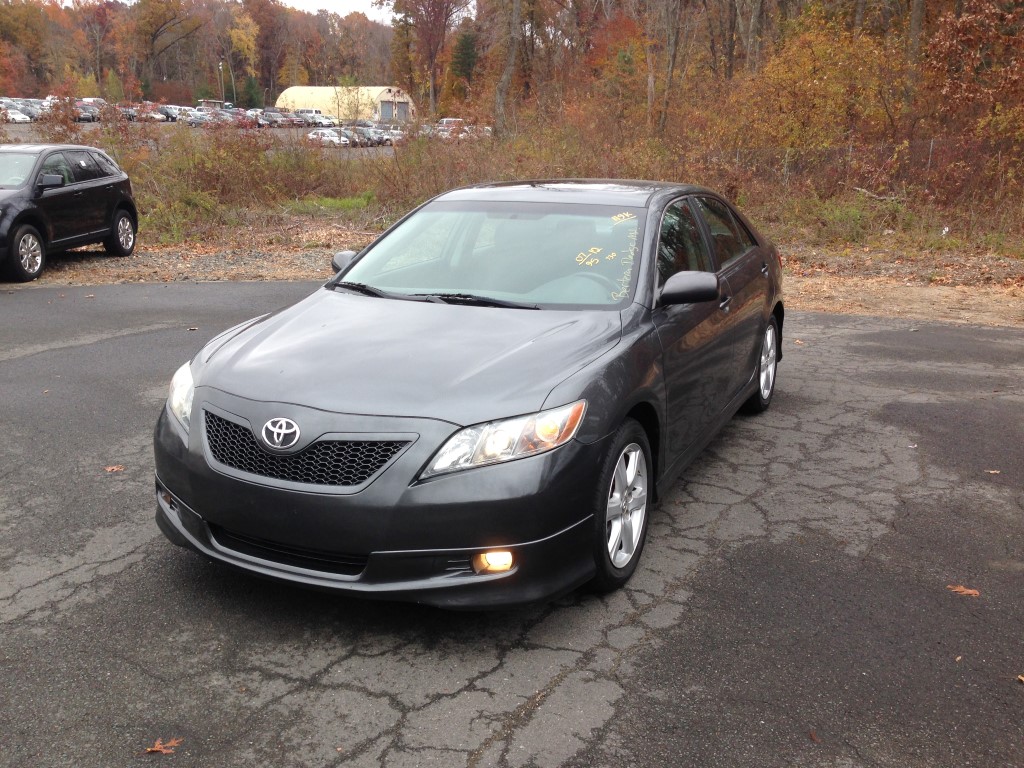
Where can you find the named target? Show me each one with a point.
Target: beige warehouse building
(380, 103)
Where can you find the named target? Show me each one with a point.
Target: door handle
(764, 268)
(724, 303)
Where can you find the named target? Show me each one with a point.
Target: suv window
(730, 237)
(680, 246)
(58, 164)
(84, 166)
(107, 166)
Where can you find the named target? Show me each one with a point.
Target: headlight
(509, 439)
(179, 399)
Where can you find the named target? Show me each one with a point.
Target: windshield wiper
(369, 290)
(474, 300)
(363, 288)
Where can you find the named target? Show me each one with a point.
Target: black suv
(59, 196)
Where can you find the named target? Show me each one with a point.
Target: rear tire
(122, 235)
(27, 254)
(621, 507)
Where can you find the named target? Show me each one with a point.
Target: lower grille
(339, 463)
(298, 557)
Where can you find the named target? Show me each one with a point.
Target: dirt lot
(966, 287)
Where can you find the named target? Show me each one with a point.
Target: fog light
(493, 562)
(167, 499)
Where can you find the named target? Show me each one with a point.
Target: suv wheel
(27, 254)
(122, 236)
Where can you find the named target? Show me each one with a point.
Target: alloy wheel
(768, 354)
(30, 253)
(125, 233)
(627, 506)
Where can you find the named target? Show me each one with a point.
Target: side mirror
(48, 180)
(341, 260)
(690, 288)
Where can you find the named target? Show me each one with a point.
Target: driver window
(58, 164)
(680, 246)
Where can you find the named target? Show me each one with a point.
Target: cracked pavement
(791, 607)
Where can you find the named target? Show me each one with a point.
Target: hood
(353, 354)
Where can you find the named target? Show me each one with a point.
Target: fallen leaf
(960, 589)
(164, 747)
(114, 468)
(993, 471)
(90, 295)
(1021, 678)
(814, 737)
(958, 659)
(912, 445)
(797, 341)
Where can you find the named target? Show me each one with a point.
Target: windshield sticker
(627, 274)
(589, 258)
(621, 217)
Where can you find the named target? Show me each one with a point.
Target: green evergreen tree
(464, 56)
(252, 94)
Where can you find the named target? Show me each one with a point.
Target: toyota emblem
(280, 433)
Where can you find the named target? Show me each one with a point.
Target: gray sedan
(481, 407)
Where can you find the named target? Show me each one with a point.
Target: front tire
(621, 507)
(122, 236)
(27, 254)
(767, 364)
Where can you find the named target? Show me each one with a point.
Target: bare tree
(431, 20)
(514, 30)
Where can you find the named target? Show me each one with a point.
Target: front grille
(338, 463)
(298, 557)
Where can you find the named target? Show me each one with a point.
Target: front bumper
(395, 538)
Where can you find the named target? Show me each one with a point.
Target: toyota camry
(482, 407)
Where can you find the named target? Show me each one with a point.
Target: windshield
(538, 254)
(15, 168)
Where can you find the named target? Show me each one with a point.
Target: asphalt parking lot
(793, 606)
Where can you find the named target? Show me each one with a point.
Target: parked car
(12, 115)
(169, 111)
(151, 115)
(276, 119)
(292, 119)
(54, 197)
(368, 136)
(481, 408)
(395, 134)
(90, 113)
(354, 139)
(327, 137)
(31, 110)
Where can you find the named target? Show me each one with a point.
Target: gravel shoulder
(951, 286)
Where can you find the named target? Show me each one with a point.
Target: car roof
(35, 149)
(627, 192)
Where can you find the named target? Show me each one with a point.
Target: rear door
(97, 194)
(742, 264)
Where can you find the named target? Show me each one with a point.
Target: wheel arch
(645, 414)
(779, 312)
(36, 222)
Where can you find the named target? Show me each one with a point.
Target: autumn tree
(431, 21)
